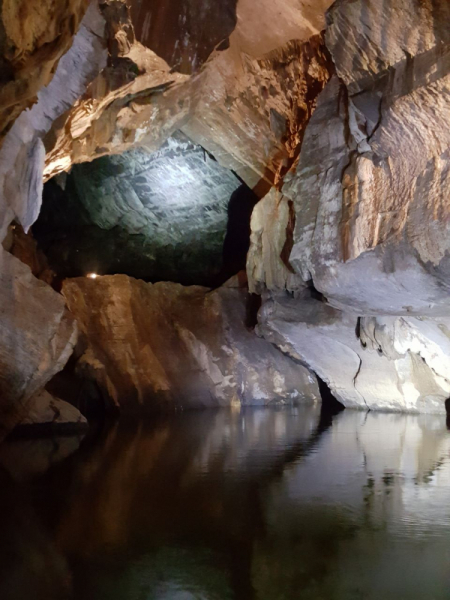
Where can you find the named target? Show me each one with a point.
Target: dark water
(255, 505)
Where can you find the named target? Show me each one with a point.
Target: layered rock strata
(370, 198)
(167, 346)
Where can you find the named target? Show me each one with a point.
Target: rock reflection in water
(30, 564)
(258, 505)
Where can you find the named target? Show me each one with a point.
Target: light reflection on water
(259, 505)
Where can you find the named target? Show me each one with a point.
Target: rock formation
(52, 415)
(376, 363)
(168, 346)
(33, 40)
(159, 216)
(247, 105)
(37, 337)
(370, 196)
(22, 155)
(335, 114)
(272, 228)
(373, 167)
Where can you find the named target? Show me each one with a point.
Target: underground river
(260, 504)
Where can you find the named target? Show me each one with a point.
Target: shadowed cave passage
(158, 217)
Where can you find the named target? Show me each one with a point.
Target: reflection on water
(258, 505)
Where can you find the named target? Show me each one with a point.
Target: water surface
(263, 504)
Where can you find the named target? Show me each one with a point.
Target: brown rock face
(165, 346)
(115, 88)
(251, 112)
(48, 414)
(183, 33)
(22, 154)
(33, 37)
(38, 335)
(115, 111)
(272, 227)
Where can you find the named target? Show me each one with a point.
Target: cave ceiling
(183, 32)
(156, 216)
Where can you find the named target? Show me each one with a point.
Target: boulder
(38, 336)
(165, 346)
(48, 414)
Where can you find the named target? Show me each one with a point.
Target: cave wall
(32, 40)
(370, 192)
(165, 346)
(335, 114)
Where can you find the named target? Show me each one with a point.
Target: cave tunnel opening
(172, 215)
(447, 410)
(330, 405)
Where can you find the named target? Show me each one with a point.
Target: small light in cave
(92, 275)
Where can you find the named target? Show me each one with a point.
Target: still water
(254, 505)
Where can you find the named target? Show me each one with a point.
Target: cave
(172, 215)
(224, 299)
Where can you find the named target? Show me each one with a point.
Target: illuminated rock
(38, 335)
(378, 363)
(168, 346)
(371, 185)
